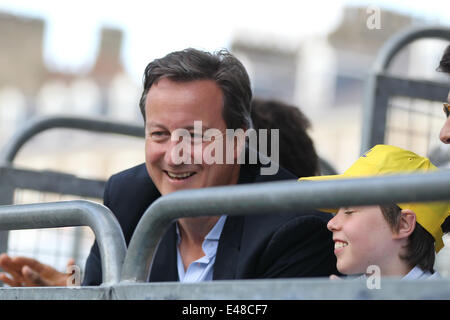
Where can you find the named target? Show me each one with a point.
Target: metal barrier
(407, 112)
(41, 124)
(285, 289)
(245, 199)
(74, 213)
(383, 86)
(285, 197)
(276, 289)
(12, 179)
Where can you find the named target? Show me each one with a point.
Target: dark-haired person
(444, 66)
(399, 239)
(182, 90)
(296, 148)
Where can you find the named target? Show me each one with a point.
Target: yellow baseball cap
(385, 160)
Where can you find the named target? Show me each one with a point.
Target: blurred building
(324, 76)
(29, 89)
(21, 60)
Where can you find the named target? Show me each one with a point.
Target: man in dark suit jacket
(190, 102)
(250, 247)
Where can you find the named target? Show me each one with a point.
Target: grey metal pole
(381, 64)
(404, 38)
(6, 197)
(38, 125)
(107, 230)
(264, 198)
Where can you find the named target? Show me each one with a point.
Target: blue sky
(154, 28)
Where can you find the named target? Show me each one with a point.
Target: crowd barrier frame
(104, 224)
(12, 178)
(263, 198)
(382, 85)
(278, 196)
(266, 198)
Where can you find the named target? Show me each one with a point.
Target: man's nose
(445, 132)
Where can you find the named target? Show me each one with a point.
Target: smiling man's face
(172, 105)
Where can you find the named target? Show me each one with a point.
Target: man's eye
(157, 134)
(196, 137)
(348, 211)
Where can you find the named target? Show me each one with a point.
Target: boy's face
(362, 238)
(445, 131)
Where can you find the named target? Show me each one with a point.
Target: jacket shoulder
(128, 194)
(136, 172)
(287, 245)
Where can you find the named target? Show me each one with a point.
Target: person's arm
(303, 247)
(28, 272)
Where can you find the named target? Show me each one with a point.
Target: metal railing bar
(56, 293)
(107, 230)
(286, 197)
(375, 99)
(39, 125)
(418, 89)
(402, 39)
(51, 181)
(284, 289)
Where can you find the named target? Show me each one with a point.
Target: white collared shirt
(418, 273)
(415, 273)
(201, 269)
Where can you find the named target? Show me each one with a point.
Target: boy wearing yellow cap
(401, 239)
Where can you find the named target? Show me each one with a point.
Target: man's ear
(406, 225)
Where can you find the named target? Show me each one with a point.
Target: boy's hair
(420, 248)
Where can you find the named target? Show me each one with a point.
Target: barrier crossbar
(244, 199)
(272, 197)
(382, 86)
(107, 230)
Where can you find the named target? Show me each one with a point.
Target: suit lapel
(164, 265)
(227, 256)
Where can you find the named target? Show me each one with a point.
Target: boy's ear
(406, 225)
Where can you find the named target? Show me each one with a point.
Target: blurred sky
(154, 28)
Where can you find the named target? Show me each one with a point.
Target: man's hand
(28, 272)
(334, 277)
